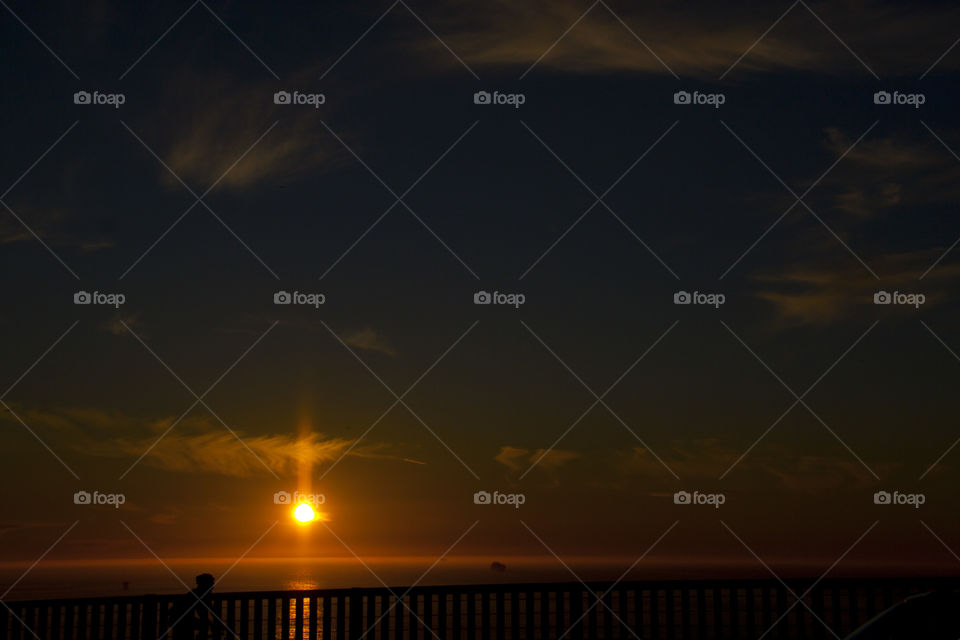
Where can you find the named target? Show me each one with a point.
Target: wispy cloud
(196, 444)
(369, 339)
(225, 118)
(705, 42)
(517, 459)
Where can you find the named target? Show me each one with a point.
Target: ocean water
(117, 578)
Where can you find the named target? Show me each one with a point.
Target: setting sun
(304, 513)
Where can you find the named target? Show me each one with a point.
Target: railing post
(356, 614)
(576, 612)
(148, 619)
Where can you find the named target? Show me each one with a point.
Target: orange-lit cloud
(705, 42)
(369, 339)
(196, 444)
(208, 139)
(517, 459)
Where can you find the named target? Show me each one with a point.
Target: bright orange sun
(304, 513)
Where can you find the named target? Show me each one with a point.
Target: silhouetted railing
(646, 610)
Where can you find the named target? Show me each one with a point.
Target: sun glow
(304, 513)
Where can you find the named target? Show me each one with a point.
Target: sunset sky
(598, 198)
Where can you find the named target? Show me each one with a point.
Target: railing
(645, 610)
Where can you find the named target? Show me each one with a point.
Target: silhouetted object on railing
(702, 609)
(192, 616)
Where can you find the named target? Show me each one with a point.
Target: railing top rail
(913, 582)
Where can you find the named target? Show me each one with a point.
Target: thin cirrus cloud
(214, 136)
(707, 459)
(369, 339)
(881, 173)
(895, 38)
(518, 459)
(821, 295)
(196, 444)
